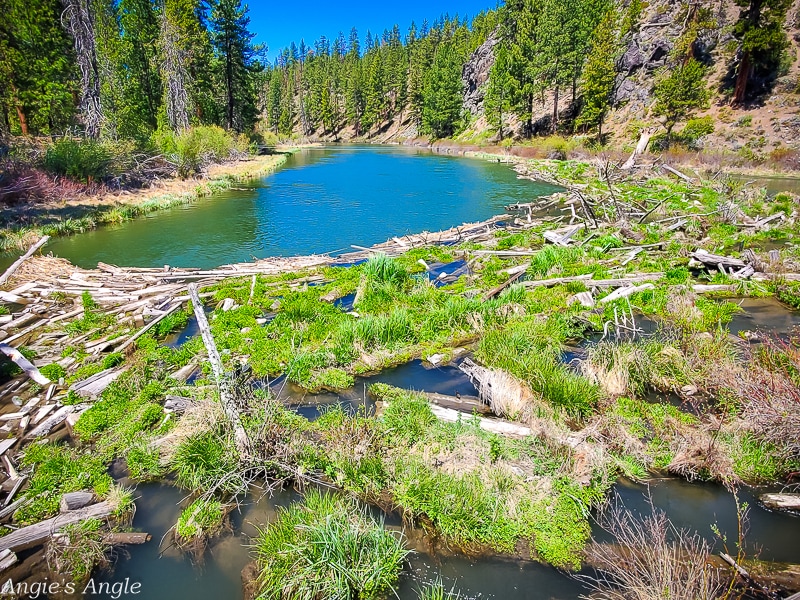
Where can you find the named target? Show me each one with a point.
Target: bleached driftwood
(34, 535)
(223, 381)
(24, 364)
(624, 292)
(18, 263)
(781, 501)
(94, 385)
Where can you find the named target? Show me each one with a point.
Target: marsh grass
(481, 490)
(201, 520)
(436, 590)
(207, 461)
(79, 549)
(327, 547)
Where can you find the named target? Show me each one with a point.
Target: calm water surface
(322, 200)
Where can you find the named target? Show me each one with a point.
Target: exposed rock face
(476, 73)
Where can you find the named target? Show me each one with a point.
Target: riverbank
(27, 223)
(699, 163)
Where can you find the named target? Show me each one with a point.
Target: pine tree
(679, 93)
(762, 42)
(442, 93)
(599, 74)
(139, 20)
(238, 62)
(37, 67)
(499, 89)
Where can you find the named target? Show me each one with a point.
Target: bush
(86, 160)
(194, 149)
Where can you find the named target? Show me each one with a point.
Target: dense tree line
(124, 68)
(339, 83)
(562, 52)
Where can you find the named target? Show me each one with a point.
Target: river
(322, 200)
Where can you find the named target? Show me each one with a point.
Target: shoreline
(32, 222)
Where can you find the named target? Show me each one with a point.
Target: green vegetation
(327, 547)
(58, 469)
(200, 520)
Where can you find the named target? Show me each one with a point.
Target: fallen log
(624, 292)
(498, 426)
(495, 291)
(781, 501)
(177, 404)
(47, 426)
(677, 173)
(467, 404)
(124, 538)
(7, 560)
(223, 381)
(149, 326)
(715, 260)
(18, 263)
(75, 500)
(94, 385)
(623, 281)
(34, 535)
(23, 363)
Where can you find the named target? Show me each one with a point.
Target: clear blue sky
(278, 24)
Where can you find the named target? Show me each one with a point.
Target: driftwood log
(223, 381)
(464, 404)
(24, 364)
(16, 265)
(34, 535)
(781, 501)
(75, 500)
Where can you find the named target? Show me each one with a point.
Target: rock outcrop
(475, 74)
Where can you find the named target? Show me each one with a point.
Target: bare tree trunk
(174, 74)
(23, 119)
(742, 77)
(77, 20)
(555, 111)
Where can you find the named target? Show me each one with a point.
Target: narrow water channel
(322, 200)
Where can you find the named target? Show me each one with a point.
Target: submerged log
(34, 535)
(132, 537)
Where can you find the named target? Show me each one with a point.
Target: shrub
(194, 149)
(85, 160)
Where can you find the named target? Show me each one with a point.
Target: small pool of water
(698, 506)
(764, 314)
